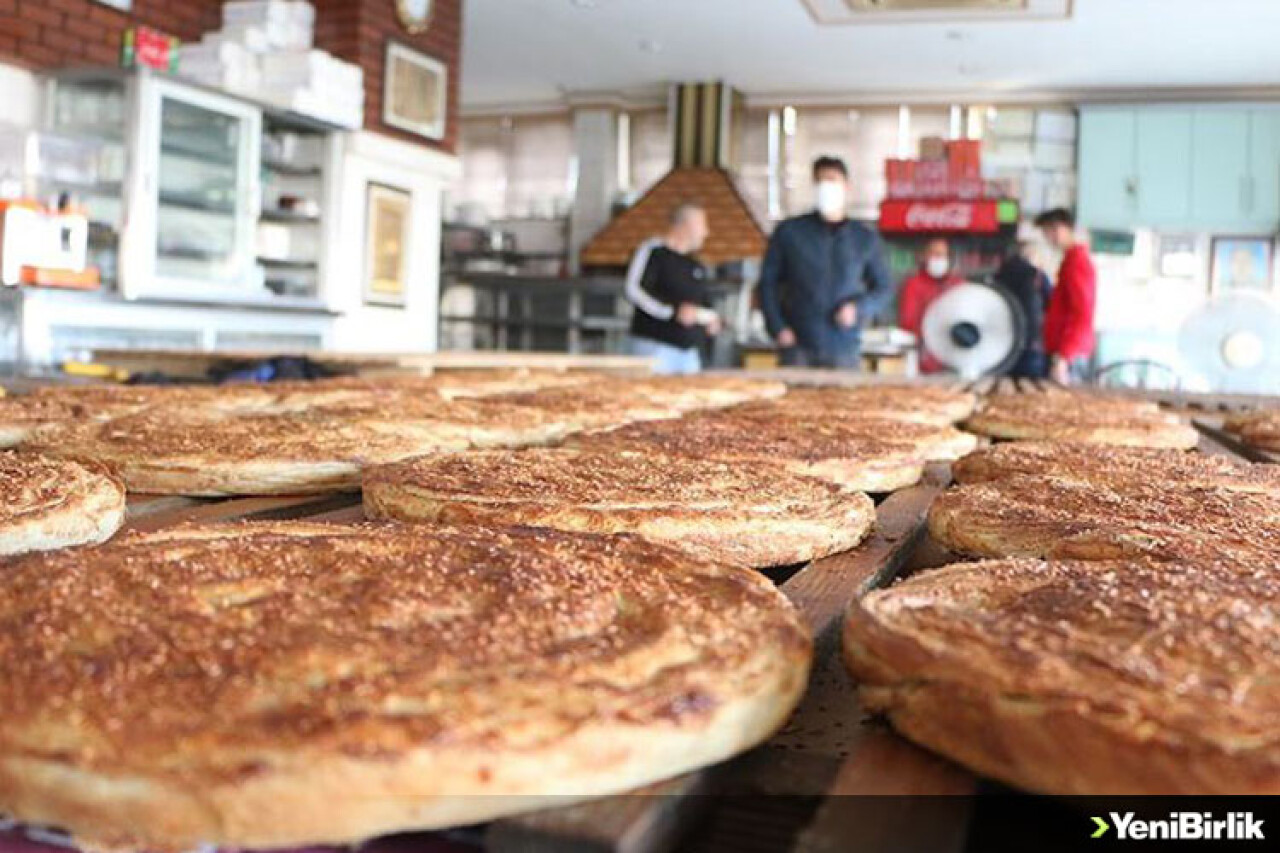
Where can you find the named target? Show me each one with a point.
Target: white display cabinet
(208, 204)
(195, 194)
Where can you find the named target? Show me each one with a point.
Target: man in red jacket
(932, 279)
(1068, 318)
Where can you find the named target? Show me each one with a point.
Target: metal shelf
(289, 217)
(283, 168)
(196, 203)
(288, 263)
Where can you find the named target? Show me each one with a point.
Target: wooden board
(196, 363)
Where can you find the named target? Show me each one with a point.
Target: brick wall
(359, 30)
(43, 34)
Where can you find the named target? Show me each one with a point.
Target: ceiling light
(650, 46)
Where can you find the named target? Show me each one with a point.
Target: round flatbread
(690, 393)
(1259, 429)
(1025, 516)
(22, 415)
(748, 515)
(1081, 418)
(162, 450)
(591, 407)
(932, 442)
(455, 384)
(1118, 466)
(826, 451)
(1081, 677)
(287, 684)
(926, 404)
(50, 503)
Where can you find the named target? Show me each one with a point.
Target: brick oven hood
(703, 173)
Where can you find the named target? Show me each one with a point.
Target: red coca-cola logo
(939, 217)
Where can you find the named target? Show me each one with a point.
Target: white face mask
(829, 197)
(938, 267)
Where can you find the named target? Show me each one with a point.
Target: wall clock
(415, 15)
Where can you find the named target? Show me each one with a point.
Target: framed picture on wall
(387, 221)
(1241, 263)
(415, 92)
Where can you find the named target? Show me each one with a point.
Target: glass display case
(196, 195)
(196, 191)
(83, 155)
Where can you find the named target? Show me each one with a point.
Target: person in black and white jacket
(668, 288)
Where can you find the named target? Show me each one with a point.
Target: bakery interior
(631, 425)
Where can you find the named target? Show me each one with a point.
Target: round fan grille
(974, 329)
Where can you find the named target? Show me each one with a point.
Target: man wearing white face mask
(934, 278)
(824, 278)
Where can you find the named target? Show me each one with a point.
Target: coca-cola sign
(970, 217)
(939, 217)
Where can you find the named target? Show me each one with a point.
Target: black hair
(1057, 216)
(825, 162)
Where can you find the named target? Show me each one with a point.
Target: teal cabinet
(1164, 166)
(1263, 199)
(1220, 180)
(1107, 181)
(1192, 168)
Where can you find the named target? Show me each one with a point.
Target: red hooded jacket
(1068, 318)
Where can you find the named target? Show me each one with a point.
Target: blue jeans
(798, 356)
(668, 359)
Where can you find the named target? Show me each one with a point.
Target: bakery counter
(43, 326)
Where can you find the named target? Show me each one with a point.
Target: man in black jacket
(824, 278)
(1030, 287)
(668, 288)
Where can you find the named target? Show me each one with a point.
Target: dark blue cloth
(811, 269)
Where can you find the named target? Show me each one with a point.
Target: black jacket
(659, 280)
(1030, 288)
(812, 268)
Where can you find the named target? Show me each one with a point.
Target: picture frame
(1241, 263)
(415, 15)
(415, 92)
(388, 220)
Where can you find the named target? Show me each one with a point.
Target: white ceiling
(522, 53)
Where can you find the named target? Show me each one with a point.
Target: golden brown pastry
(48, 503)
(1080, 417)
(287, 684)
(167, 450)
(1082, 677)
(935, 443)
(748, 515)
(1091, 463)
(826, 451)
(1260, 429)
(927, 404)
(1028, 516)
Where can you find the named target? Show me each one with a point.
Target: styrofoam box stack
(315, 83)
(264, 51)
(222, 64)
(278, 24)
